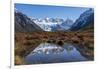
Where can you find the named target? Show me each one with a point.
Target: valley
(53, 37)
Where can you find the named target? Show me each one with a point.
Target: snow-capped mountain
(24, 24)
(67, 24)
(86, 19)
(47, 23)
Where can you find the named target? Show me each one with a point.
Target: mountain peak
(85, 19)
(23, 23)
(16, 10)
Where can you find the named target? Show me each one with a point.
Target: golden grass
(18, 60)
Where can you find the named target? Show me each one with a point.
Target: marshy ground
(26, 42)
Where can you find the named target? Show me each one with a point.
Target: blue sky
(42, 11)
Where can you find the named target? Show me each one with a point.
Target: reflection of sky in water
(49, 53)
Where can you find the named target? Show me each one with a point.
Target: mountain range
(54, 24)
(47, 23)
(23, 23)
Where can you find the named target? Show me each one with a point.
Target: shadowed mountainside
(24, 24)
(84, 22)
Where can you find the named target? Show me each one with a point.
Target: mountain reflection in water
(53, 53)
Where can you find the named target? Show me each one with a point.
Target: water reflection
(51, 53)
(47, 48)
